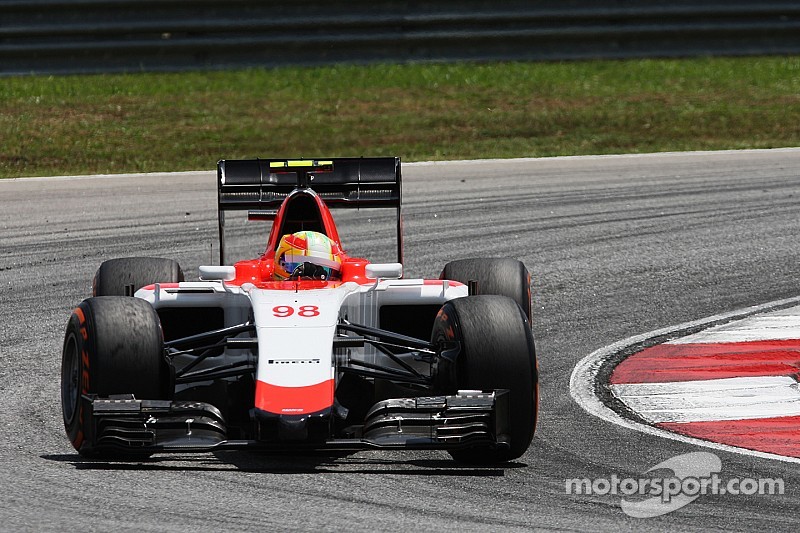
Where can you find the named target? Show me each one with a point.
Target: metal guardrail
(83, 36)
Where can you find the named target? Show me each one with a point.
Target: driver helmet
(297, 250)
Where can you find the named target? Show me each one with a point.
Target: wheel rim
(70, 379)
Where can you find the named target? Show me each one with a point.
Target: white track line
(462, 161)
(610, 156)
(210, 173)
(583, 382)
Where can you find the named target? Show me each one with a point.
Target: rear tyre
(495, 275)
(496, 352)
(112, 345)
(115, 276)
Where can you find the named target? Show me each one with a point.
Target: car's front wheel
(112, 345)
(496, 351)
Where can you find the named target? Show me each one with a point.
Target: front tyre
(112, 345)
(496, 352)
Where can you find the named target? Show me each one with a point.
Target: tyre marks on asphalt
(734, 384)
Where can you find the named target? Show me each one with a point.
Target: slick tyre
(495, 275)
(496, 352)
(115, 276)
(112, 345)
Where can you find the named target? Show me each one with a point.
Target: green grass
(187, 121)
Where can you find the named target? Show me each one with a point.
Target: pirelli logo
(293, 361)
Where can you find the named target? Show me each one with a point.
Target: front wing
(462, 420)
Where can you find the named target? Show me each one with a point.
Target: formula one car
(304, 347)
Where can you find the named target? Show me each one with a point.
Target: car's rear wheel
(116, 277)
(112, 345)
(494, 275)
(496, 352)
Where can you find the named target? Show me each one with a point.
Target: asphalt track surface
(617, 246)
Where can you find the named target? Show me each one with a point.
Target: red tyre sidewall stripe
(85, 376)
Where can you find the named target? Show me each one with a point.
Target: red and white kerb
(735, 384)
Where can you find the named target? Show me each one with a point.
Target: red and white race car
(304, 347)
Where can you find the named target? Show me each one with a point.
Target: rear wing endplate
(261, 185)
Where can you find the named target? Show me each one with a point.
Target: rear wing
(260, 186)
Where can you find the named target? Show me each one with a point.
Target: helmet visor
(291, 267)
(307, 269)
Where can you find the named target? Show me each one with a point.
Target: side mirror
(384, 270)
(217, 273)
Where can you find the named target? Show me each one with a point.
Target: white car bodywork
(295, 329)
